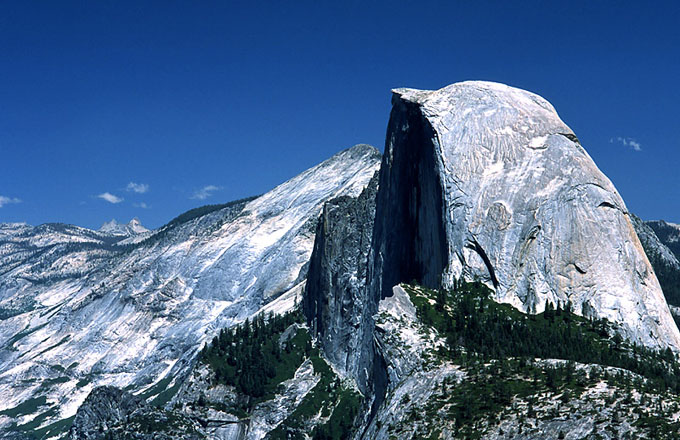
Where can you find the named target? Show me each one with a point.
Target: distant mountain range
(134, 227)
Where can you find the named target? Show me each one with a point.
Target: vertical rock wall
(335, 300)
(409, 241)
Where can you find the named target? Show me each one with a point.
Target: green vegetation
(257, 356)
(166, 395)
(150, 425)
(22, 334)
(82, 382)
(52, 347)
(53, 429)
(338, 404)
(7, 312)
(157, 388)
(39, 420)
(251, 357)
(27, 407)
(496, 345)
(472, 322)
(164, 421)
(525, 390)
(29, 429)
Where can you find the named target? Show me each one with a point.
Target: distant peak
(136, 226)
(357, 151)
(663, 223)
(108, 225)
(133, 227)
(363, 148)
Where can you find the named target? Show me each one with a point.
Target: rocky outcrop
(414, 377)
(668, 233)
(664, 261)
(104, 406)
(653, 246)
(432, 394)
(484, 181)
(335, 301)
(109, 412)
(133, 227)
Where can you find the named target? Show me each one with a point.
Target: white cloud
(7, 200)
(139, 188)
(205, 192)
(141, 205)
(110, 197)
(627, 142)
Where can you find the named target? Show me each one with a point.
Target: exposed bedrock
(335, 300)
(484, 181)
(409, 241)
(111, 413)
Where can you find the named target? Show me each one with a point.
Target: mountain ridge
(136, 315)
(133, 227)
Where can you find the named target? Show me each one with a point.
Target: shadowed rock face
(483, 181)
(652, 244)
(105, 406)
(335, 301)
(409, 241)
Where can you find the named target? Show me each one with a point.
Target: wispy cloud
(7, 200)
(627, 142)
(139, 188)
(110, 197)
(205, 192)
(141, 205)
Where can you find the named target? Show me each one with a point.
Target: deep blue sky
(180, 96)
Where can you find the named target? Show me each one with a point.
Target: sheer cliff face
(335, 302)
(481, 180)
(409, 241)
